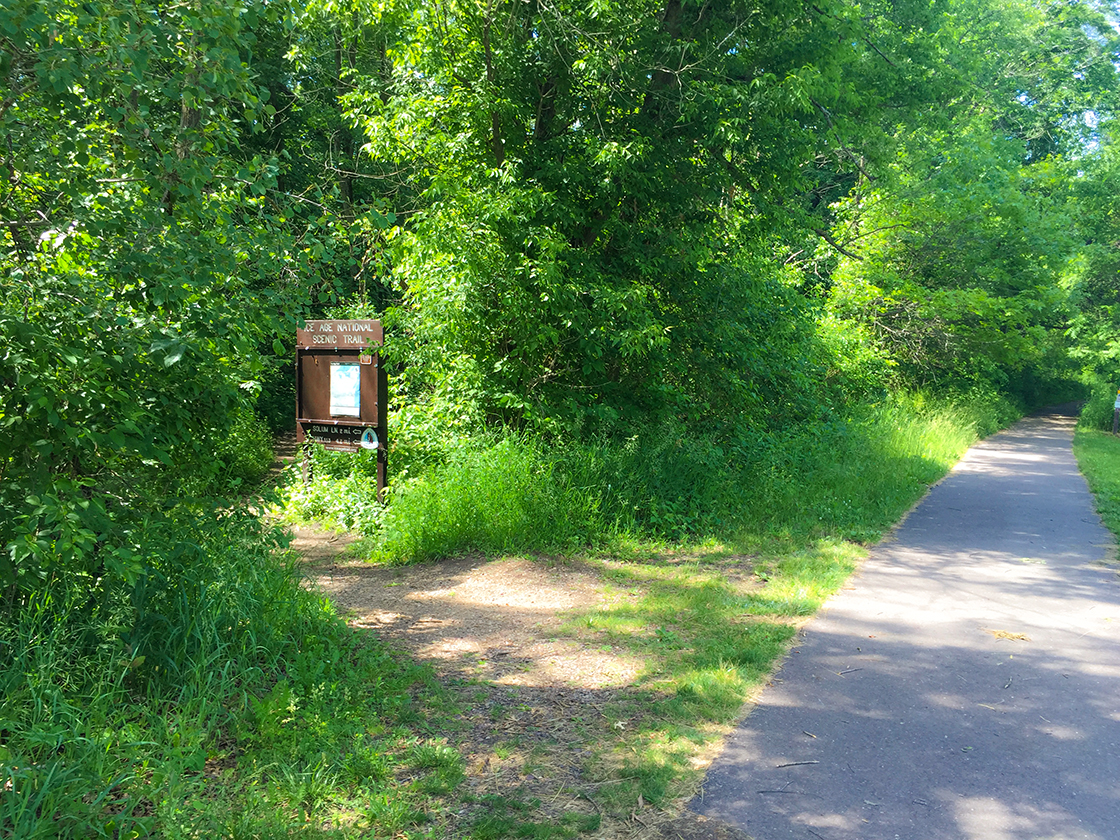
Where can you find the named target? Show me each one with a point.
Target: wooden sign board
(341, 388)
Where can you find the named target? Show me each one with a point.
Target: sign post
(342, 389)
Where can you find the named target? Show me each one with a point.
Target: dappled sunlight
(962, 685)
(998, 470)
(1084, 779)
(501, 620)
(981, 458)
(1061, 733)
(985, 818)
(477, 591)
(839, 821)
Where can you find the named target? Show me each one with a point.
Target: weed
(845, 477)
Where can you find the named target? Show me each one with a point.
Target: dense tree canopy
(134, 242)
(572, 215)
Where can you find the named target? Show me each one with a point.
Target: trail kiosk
(341, 388)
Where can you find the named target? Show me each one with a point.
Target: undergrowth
(215, 698)
(847, 476)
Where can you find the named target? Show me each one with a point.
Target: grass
(709, 628)
(505, 817)
(212, 696)
(1098, 456)
(847, 477)
(231, 704)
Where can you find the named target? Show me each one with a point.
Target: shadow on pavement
(967, 682)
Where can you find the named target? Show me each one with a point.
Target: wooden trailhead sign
(342, 389)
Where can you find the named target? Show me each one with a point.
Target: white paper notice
(346, 390)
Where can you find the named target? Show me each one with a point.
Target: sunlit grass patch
(1098, 456)
(710, 628)
(797, 584)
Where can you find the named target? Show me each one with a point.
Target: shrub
(246, 452)
(1098, 410)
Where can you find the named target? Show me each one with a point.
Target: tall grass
(1098, 409)
(849, 477)
(212, 698)
(854, 476)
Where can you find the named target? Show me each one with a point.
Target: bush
(246, 452)
(1098, 410)
(847, 476)
(113, 703)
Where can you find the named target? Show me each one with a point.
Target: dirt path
(499, 620)
(500, 632)
(964, 686)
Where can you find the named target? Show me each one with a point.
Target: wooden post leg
(382, 458)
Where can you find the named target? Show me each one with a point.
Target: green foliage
(498, 498)
(277, 397)
(1098, 456)
(1098, 409)
(247, 450)
(1094, 277)
(843, 476)
(954, 249)
(596, 244)
(231, 703)
(132, 236)
(960, 263)
(339, 504)
(591, 245)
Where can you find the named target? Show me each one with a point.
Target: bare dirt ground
(498, 633)
(498, 620)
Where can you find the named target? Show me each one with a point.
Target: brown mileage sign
(341, 388)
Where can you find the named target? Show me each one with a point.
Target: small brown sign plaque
(341, 387)
(339, 335)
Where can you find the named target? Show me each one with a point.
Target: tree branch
(827, 237)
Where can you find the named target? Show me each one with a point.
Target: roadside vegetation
(845, 476)
(1098, 456)
(708, 600)
(660, 279)
(238, 704)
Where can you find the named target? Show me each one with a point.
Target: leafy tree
(131, 234)
(954, 254)
(1094, 277)
(594, 195)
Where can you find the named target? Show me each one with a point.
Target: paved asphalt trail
(906, 712)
